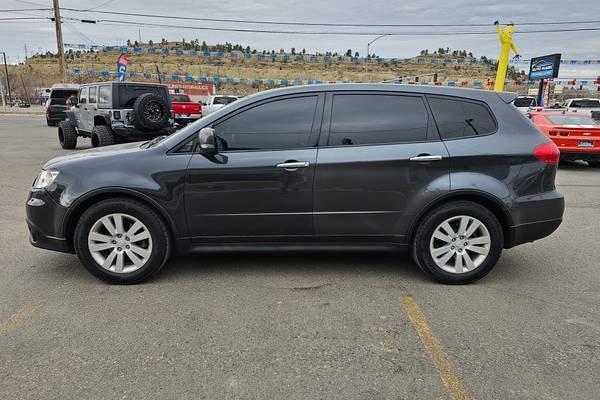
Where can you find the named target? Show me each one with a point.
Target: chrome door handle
(426, 158)
(293, 165)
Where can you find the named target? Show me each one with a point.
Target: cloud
(39, 34)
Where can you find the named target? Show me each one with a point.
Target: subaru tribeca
(451, 175)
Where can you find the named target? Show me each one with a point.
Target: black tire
(421, 241)
(67, 135)
(102, 135)
(594, 164)
(161, 244)
(151, 112)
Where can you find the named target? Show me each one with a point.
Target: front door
(382, 160)
(259, 187)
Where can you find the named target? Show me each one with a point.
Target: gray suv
(114, 112)
(452, 176)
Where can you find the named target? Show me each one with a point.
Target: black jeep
(116, 112)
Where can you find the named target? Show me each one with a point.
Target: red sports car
(577, 136)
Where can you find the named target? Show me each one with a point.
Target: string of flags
(273, 56)
(188, 78)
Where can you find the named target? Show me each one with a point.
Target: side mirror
(207, 141)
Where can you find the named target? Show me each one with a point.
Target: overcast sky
(39, 35)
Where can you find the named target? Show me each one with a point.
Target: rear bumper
(44, 220)
(570, 155)
(536, 218)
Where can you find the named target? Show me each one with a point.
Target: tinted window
(524, 102)
(459, 118)
(376, 118)
(280, 124)
(105, 96)
(130, 92)
(570, 120)
(93, 91)
(586, 103)
(182, 98)
(224, 100)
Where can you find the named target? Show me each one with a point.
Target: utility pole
(59, 39)
(7, 80)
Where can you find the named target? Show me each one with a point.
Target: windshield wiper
(470, 122)
(152, 142)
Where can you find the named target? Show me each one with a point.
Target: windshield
(587, 103)
(570, 120)
(183, 98)
(524, 102)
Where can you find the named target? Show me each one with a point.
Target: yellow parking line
(434, 348)
(13, 322)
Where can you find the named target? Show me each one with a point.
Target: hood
(98, 152)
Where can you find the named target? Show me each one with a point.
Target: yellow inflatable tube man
(507, 44)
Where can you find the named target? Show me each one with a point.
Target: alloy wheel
(460, 244)
(120, 243)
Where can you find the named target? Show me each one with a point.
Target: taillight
(563, 133)
(553, 133)
(547, 152)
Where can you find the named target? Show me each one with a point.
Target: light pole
(7, 80)
(369, 49)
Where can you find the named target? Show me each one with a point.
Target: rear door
(380, 163)
(82, 113)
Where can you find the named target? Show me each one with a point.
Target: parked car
(55, 105)
(113, 112)
(214, 103)
(452, 175)
(525, 103)
(591, 107)
(576, 135)
(185, 110)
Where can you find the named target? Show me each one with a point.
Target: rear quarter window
(458, 118)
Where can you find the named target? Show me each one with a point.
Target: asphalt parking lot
(296, 326)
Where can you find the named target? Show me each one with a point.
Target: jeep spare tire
(151, 112)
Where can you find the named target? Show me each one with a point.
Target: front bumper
(536, 216)
(44, 220)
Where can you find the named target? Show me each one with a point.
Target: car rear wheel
(458, 242)
(122, 241)
(151, 112)
(102, 135)
(67, 135)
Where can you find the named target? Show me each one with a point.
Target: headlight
(45, 179)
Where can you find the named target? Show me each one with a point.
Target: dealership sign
(544, 67)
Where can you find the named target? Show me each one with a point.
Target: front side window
(105, 96)
(93, 92)
(359, 119)
(280, 124)
(461, 118)
(83, 94)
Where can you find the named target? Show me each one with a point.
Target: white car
(525, 103)
(214, 103)
(590, 107)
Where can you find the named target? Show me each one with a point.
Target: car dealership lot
(296, 325)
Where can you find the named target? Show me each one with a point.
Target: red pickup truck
(185, 109)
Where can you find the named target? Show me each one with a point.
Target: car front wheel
(458, 242)
(122, 241)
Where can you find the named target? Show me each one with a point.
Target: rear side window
(105, 96)
(461, 118)
(359, 119)
(279, 124)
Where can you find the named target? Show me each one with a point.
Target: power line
(100, 5)
(350, 33)
(22, 18)
(241, 21)
(24, 9)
